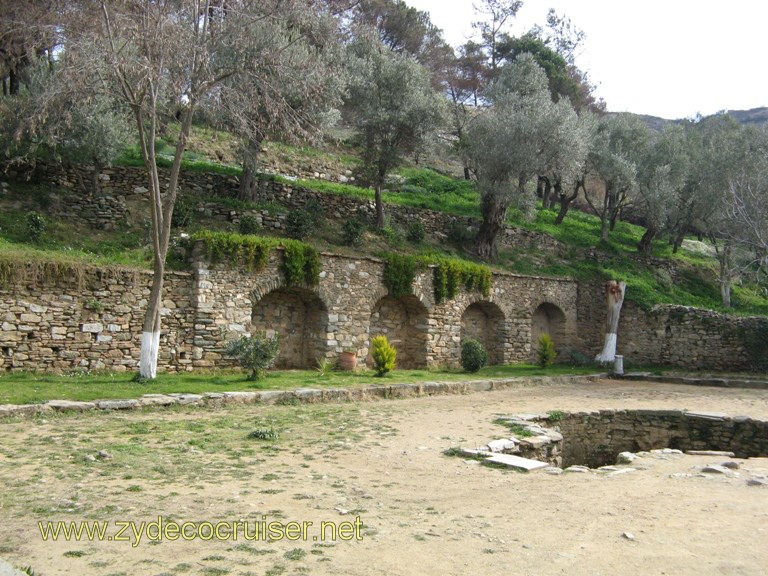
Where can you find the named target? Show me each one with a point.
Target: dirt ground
(421, 512)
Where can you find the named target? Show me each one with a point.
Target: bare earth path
(422, 513)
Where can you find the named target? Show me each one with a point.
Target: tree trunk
(566, 199)
(467, 175)
(565, 204)
(251, 152)
(605, 228)
(544, 187)
(161, 212)
(725, 275)
(614, 292)
(494, 213)
(645, 244)
(379, 207)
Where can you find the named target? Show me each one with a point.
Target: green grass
(28, 388)
(191, 161)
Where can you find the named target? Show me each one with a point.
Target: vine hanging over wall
(449, 274)
(301, 262)
(399, 274)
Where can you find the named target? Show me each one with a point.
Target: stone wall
(677, 336)
(122, 182)
(355, 306)
(596, 438)
(90, 318)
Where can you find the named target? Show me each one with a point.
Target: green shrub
(383, 354)
(36, 225)
(316, 211)
(546, 353)
(352, 232)
(299, 224)
(399, 273)
(256, 353)
(473, 355)
(415, 232)
(459, 234)
(301, 264)
(183, 212)
(248, 224)
(577, 357)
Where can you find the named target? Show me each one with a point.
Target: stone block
(516, 462)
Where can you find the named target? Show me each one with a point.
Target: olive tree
(393, 108)
(662, 178)
(172, 57)
(522, 134)
(620, 144)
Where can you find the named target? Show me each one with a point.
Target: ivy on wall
(449, 275)
(301, 262)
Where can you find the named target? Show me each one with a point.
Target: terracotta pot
(347, 361)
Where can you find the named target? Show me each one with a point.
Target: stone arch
(484, 321)
(300, 319)
(548, 318)
(404, 322)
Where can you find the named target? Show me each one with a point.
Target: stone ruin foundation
(597, 439)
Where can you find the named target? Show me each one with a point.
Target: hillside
(535, 247)
(754, 117)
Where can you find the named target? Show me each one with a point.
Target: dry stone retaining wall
(120, 183)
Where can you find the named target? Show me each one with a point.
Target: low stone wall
(596, 438)
(692, 338)
(677, 336)
(121, 182)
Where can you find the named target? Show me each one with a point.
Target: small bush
(577, 357)
(546, 352)
(248, 224)
(256, 353)
(316, 210)
(263, 434)
(415, 232)
(325, 366)
(352, 232)
(183, 212)
(299, 224)
(473, 355)
(383, 354)
(36, 225)
(460, 235)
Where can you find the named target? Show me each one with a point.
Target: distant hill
(755, 117)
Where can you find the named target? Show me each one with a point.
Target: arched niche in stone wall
(404, 322)
(484, 321)
(300, 319)
(550, 319)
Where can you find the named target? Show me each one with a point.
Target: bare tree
(172, 57)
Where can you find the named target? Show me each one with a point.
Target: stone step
(516, 462)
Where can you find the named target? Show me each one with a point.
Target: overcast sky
(667, 58)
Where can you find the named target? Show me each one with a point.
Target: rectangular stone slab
(516, 462)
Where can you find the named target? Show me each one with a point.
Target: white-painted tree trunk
(615, 298)
(150, 346)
